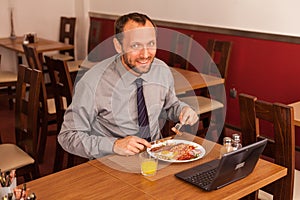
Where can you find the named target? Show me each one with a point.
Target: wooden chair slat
(281, 147)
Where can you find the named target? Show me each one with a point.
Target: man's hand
(188, 116)
(130, 145)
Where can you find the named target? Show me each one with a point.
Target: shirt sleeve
(77, 134)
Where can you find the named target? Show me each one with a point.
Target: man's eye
(136, 46)
(151, 44)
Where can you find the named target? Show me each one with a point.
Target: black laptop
(231, 167)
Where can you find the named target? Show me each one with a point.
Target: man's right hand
(130, 145)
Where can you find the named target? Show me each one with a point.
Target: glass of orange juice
(148, 164)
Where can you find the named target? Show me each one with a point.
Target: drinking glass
(148, 164)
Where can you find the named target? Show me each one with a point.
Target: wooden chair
(8, 81)
(94, 39)
(180, 50)
(219, 52)
(48, 116)
(278, 119)
(205, 104)
(181, 46)
(66, 35)
(94, 54)
(62, 85)
(33, 59)
(63, 89)
(23, 156)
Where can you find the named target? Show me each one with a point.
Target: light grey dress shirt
(104, 107)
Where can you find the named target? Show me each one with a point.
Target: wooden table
(101, 179)
(186, 80)
(296, 107)
(41, 46)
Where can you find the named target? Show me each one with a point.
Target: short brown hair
(121, 21)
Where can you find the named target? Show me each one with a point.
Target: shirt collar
(127, 77)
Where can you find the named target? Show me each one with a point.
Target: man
(103, 117)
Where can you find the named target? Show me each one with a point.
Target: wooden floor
(7, 136)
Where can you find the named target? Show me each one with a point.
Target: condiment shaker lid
(235, 137)
(226, 140)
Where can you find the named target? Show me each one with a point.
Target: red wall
(267, 69)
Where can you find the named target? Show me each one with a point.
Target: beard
(141, 69)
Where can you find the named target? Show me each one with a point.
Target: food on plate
(176, 151)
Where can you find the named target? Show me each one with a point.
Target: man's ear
(118, 46)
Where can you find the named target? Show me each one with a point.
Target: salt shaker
(227, 146)
(236, 141)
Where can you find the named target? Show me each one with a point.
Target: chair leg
(213, 124)
(201, 132)
(220, 124)
(166, 130)
(11, 104)
(10, 99)
(42, 142)
(29, 172)
(36, 171)
(71, 160)
(59, 158)
(206, 122)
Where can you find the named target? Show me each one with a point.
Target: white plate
(174, 141)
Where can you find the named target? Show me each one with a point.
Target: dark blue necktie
(144, 130)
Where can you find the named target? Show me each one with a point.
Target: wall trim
(210, 29)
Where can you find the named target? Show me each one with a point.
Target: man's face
(138, 47)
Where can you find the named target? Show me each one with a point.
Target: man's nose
(144, 52)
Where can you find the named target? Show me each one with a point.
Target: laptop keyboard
(204, 178)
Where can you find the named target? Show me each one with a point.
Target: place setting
(171, 152)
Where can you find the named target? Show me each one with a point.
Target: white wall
(82, 24)
(40, 16)
(271, 16)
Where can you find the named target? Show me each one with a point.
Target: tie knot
(139, 82)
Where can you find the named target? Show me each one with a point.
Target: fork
(176, 128)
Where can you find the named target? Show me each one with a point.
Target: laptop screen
(231, 167)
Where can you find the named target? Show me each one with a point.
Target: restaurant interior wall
(42, 16)
(268, 16)
(266, 69)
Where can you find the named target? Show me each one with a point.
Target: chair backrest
(94, 34)
(219, 52)
(32, 57)
(33, 61)
(95, 38)
(181, 46)
(67, 33)
(62, 86)
(27, 109)
(278, 119)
